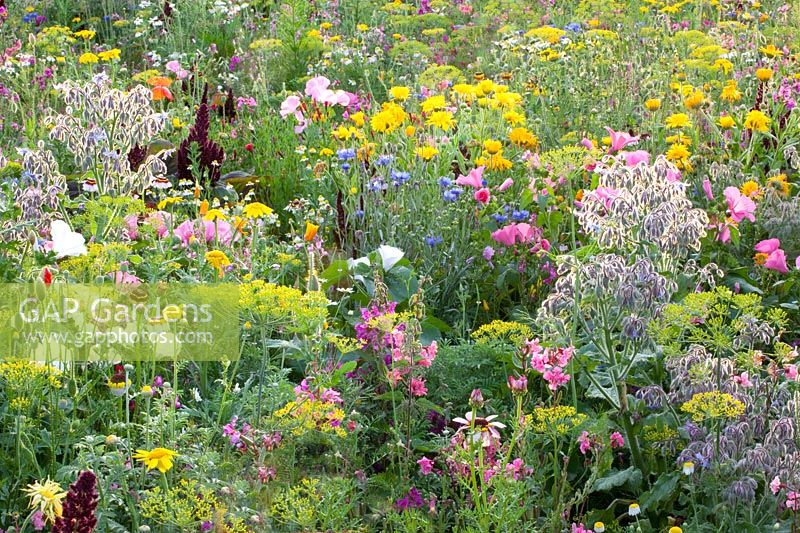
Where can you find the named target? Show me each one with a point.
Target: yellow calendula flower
(362, 27)
(757, 121)
(779, 184)
(46, 497)
(764, 74)
(492, 146)
(84, 34)
(441, 119)
(730, 93)
(256, 210)
(514, 118)
(679, 154)
(694, 100)
(410, 131)
(218, 260)
(726, 122)
(311, 231)
(214, 214)
(110, 55)
(433, 103)
(652, 104)
(750, 188)
(426, 152)
(88, 58)
(359, 119)
(678, 120)
(523, 137)
(400, 93)
(168, 201)
(157, 458)
(771, 50)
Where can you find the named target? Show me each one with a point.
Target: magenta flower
(619, 140)
(617, 441)
(425, 466)
(555, 377)
(417, 387)
(506, 235)
(739, 206)
(776, 258)
(473, 179)
(743, 380)
(483, 195)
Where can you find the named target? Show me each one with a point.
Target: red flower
(47, 276)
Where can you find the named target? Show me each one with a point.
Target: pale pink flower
(506, 184)
(473, 179)
(634, 158)
(486, 430)
(739, 206)
(775, 485)
(291, 106)
(619, 140)
(743, 380)
(791, 372)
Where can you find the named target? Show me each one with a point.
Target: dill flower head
(46, 497)
(160, 458)
(503, 332)
(560, 419)
(714, 404)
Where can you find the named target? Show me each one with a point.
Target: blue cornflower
(451, 195)
(519, 215)
(399, 178)
(432, 240)
(574, 27)
(30, 17)
(346, 153)
(345, 167)
(500, 219)
(383, 160)
(445, 182)
(376, 185)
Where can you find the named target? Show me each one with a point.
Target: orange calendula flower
(311, 231)
(161, 93)
(157, 458)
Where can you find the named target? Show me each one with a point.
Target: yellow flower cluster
(186, 506)
(21, 374)
(656, 434)
(710, 405)
(298, 504)
(502, 331)
(312, 415)
(281, 305)
(559, 419)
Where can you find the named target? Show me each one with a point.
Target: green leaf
(335, 272)
(662, 491)
(618, 478)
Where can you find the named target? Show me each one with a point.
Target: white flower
(688, 468)
(65, 241)
(634, 509)
(390, 256)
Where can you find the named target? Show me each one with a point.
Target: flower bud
(476, 399)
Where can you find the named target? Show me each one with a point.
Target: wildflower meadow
(404, 266)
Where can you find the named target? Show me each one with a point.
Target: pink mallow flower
(739, 206)
(743, 380)
(473, 179)
(634, 158)
(776, 258)
(619, 140)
